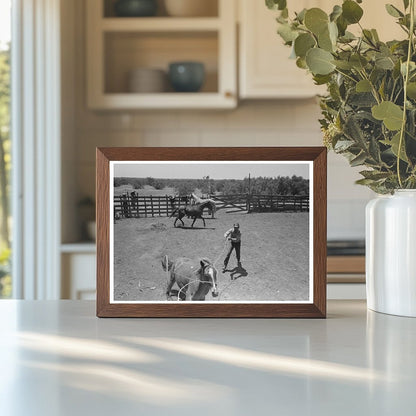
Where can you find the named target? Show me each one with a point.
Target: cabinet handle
(229, 94)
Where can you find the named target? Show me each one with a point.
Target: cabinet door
(265, 68)
(78, 276)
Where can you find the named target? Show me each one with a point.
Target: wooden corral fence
(128, 206)
(262, 203)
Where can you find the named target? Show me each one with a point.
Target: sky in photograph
(226, 170)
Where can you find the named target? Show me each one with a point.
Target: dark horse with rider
(194, 211)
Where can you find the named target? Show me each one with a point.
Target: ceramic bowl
(135, 8)
(147, 80)
(186, 76)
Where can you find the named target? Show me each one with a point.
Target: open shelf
(87, 247)
(167, 100)
(126, 51)
(210, 10)
(119, 45)
(160, 24)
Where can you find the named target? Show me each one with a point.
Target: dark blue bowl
(186, 76)
(135, 8)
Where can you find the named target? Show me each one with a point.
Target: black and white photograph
(187, 231)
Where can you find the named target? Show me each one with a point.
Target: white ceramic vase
(391, 253)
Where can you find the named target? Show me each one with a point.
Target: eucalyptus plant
(369, 111)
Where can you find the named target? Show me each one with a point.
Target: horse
(193, 279)
(199, 200)
(191, 211)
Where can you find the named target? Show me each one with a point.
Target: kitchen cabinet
(78, 263)
(265, 70)
(118, 45)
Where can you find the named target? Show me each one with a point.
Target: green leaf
(343, 145)
(351, 11)
(301, 15)
(412, 67)
(375, 35)
(336, 12)
(353, 131)
(303, 43)
(406, 4)
(374, 175)
(333, 32)
(411, 90)
(325, 42)
(282, 20)
(358, 160)
(321, 79)
(316, 20)
(363, 86)
(384, 62)
(394, 145)
(301, 63)
(393, 11)
(358, 61)
(365, 182)
(388, 112)
(347, 37)
(276, 4)
(362, 99)
(374, 150)
(287, 33)
(342, 25)
(344, 65)
(368, 36)
(319, 61)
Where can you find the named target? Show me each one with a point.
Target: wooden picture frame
(108, 159)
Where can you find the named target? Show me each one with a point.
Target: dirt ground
(274, 255)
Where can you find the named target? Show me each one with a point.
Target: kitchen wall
(253, 123)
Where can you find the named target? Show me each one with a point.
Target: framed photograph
(211, 232)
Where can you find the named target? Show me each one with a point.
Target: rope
(192, 281)
(222, 252)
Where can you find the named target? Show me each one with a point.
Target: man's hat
(236, 225)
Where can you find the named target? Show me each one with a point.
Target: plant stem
(346, 75)
(406, 80)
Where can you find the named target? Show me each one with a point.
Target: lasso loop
(192, 281)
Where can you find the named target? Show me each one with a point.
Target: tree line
(260, 185)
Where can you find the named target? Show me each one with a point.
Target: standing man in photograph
(234, 236)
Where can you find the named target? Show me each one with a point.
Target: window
(5, 147)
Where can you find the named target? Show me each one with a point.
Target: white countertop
(57, 358)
